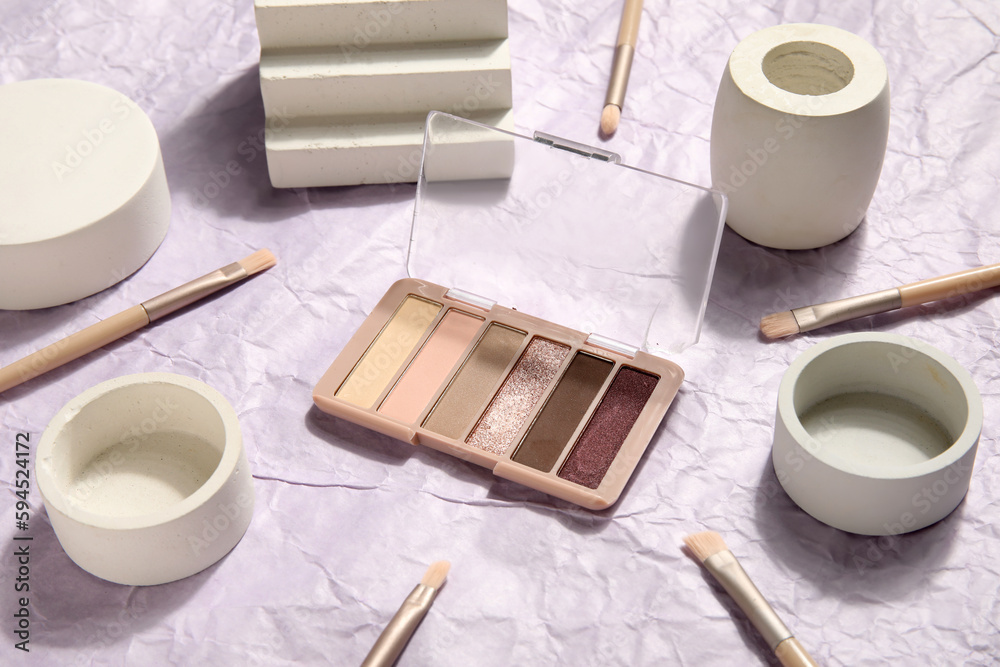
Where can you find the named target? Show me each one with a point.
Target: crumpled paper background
(347, 521)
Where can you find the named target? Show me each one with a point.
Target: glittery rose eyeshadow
(518, 395)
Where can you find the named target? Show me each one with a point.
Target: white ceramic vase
(799, 134)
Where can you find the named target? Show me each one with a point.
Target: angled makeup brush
(621, 66)
(127, 321)
(808, 318)
(402, 626)
(711, 550)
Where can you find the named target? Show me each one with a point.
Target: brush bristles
(779, 325)
(609, 118)
(436, 573)
(259, 261)
(705, 545)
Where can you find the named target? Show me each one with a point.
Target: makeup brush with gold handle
(621, 66)
(129, 320)
(711, 550)
(402, 626)
(808, 318)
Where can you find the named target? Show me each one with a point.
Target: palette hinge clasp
(471, 299)
(578, 148)
(612, 345)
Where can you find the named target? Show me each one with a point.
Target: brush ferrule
(728, 572)
(186, 294)
(825, 314)
(393, 639)
(620, 67)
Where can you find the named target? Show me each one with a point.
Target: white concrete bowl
(145, 479)
(876, 433)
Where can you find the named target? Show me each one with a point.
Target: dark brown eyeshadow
(562, 413)
(599, 443)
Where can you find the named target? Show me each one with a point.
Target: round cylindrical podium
(82, 188)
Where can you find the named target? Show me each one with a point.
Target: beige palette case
(508, 230)
(532, 400)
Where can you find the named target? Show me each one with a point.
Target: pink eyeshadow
(599, 443)
(518, 396)
(431, 367)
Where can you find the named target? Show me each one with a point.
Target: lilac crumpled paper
(347, 521)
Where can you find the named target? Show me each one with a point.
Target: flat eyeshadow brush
(397, 633)
(711, 550)
(120, 325)
(807, 318)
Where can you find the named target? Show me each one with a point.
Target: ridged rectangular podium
(347, 85)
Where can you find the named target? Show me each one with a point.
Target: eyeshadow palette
(548, 283)
(538, 403)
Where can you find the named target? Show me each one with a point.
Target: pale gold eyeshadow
(388, 352)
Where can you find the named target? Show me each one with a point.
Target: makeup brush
(711, 550)
(628, 32)
(808, 318)
(395, 636)
(127, 321)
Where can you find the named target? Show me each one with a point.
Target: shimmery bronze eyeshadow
(599, 443)
(559, 418)
(473, 385)
(520, 392)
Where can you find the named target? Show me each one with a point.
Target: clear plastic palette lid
(564, 232)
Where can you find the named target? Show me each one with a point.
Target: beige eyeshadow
(520, 393)
(432, 366)
(473, 384)
(388, 351)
